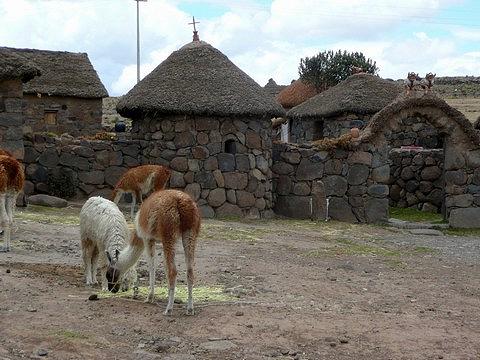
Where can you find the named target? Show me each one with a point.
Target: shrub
(61, 183)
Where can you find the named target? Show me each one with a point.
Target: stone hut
(335, 111)
(294, 94)
(14, 70)
(447, 177)
(210, 123)
(66, 98)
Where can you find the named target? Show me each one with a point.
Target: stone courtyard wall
(11, 119)
(415, 131)
(353, 181)
(416, 179)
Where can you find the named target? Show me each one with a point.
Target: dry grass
(470, 107)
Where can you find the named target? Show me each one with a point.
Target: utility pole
(138, 40)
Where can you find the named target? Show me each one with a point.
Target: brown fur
(12, 176)
(164, 217)
(5, 152)
(132, 180)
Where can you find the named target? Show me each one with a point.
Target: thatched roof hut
(198, 80)
(358, 94)
(273, 88)
(295, 94)
(13, 66)
(63, 74)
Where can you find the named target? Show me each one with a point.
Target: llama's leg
(132, 208)
(10, 203)
(4, 223)
(94, 265)
(87, 260)
(103, 266)
(150, 251)
(169, 255)
(189, 249)
(118, 196)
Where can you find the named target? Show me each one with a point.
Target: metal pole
(138, 42)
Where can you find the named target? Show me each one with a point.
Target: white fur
(102, 223)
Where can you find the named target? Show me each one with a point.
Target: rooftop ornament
(195, 32)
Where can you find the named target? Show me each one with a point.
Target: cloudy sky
(265, 38)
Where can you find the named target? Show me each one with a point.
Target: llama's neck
(130, 254)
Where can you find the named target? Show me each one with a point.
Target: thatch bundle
(13, 66)
(198, 80)
(63, 74)
(344, 141)
(295, 94)
(358, 94)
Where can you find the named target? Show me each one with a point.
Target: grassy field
(470, 107)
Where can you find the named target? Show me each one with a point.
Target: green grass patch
(200, 294)
(47, 215)
(463, 232)
(423, 250)
(69, 335)
(415, 215)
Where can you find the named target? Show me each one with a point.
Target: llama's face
(412, 76)
(113, 273)
(113, 279)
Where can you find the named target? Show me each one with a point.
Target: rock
(253, 140)
(308, 170)
(47, 200)
(301, 189)
(226, 162)
(245, 199)
(42, 352)
(378, 190)
(284, 184)
(333, 167)
(464, 200)
(291, 157)
(93, 297)
(92, 177)
(319, 201)
(228, 209)
(206, 179)
(335, 185)
(381, 174)
(177, 180)
(282, 168)
(360, 157)
(376, 210)
(179, 164)
(217, 197)
(358, 174)
(297, 207)
(211, 163)
(239, 313)
(457, 177)
(464, 218)
(242, 162)
(431, 173)
(407, 173)
(49, 158)
(339, 209)
(113, 174)
(184, 139)
(220, 345)
(454, 160)
(427, 207)
(207, 212)
(235, 180)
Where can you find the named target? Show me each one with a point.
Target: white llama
(104, 235)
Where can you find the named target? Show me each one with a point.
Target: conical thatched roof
(273, 88)
(13, 66)
(63, 74)
(295, 94)
(359, 94)
(198, 79)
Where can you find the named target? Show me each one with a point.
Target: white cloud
(263, 41)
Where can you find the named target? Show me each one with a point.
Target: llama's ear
(117, 252)
(108, 257)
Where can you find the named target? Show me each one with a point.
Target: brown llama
(163, 217)
(140, 180)
(12, 178)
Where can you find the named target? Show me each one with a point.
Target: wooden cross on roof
(195, 32)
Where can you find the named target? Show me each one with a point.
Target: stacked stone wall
(354, 182)
(74, 116)
(223, 163)
(305, 130)
(415, 131)
(417, 179)
(11, 120)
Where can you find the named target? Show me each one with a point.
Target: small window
(318, 130)
(230, 147)
(50, 117)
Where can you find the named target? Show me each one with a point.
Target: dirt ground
(289, 290)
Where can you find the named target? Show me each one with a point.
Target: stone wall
(11, 119)
(91, 167)
(354, 182)
(416, 131)
(110, 115)
(305, 130)
(417, 179)
(223, 163)
(59, 115)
